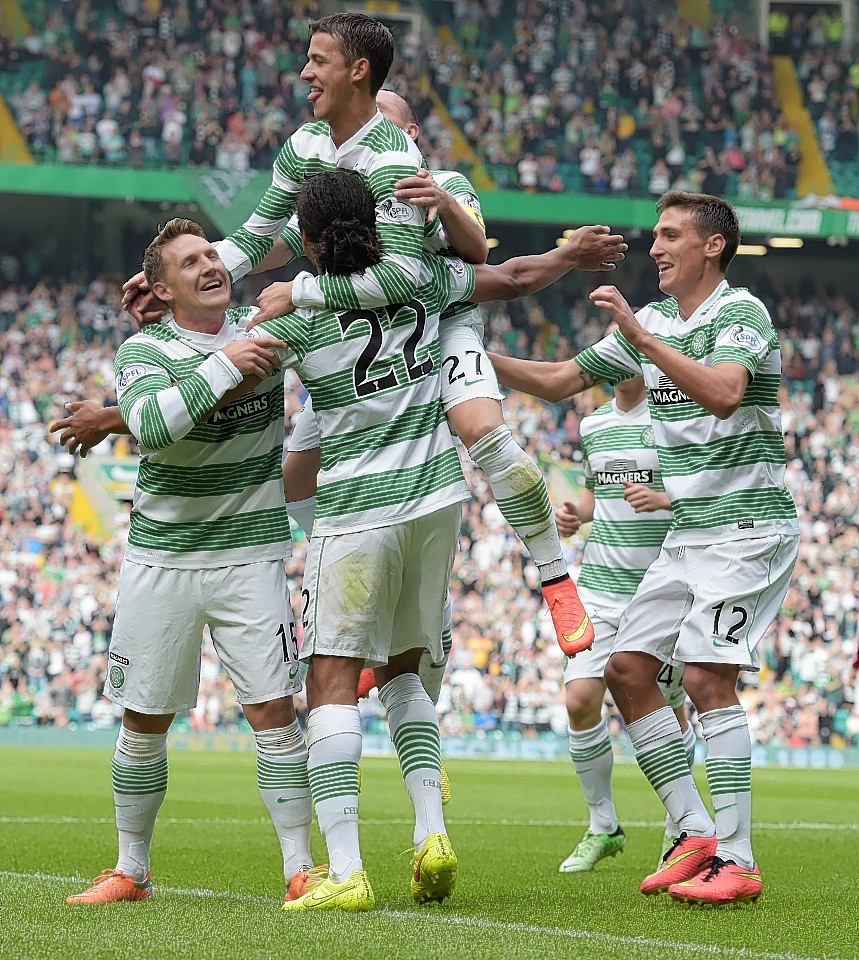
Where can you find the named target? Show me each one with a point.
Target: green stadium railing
(227, 198)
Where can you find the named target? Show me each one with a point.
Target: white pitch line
(452, 822)
(459, 920)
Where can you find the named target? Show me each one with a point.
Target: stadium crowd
(620, 97)
(58, 584)
(829, 75)
(172, 82)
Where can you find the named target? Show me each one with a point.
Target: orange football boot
(112, 886)
(721, 881)
(685, 858)
(573, 626)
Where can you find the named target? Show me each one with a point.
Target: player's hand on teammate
(611, 299)
(140, 302)
(82, 429)
(274, 301)
(596, 248)
(644, 499)
(567, 518)
(254, 356)
(421, 190)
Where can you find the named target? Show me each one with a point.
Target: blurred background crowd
(619, 97)
(58, 585)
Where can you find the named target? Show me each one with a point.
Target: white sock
(285, 791)
(593, 762)
(658, 743)
(413, 724)
(334, 749)
(521, 494)
(139, 772)
(729, 774)
(303, 512)
(432, 674)
(689, 743)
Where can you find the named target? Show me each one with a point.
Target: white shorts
(376, 593)
(709, 604)
(591, 664)
(466, 370)
(154, 656)
(305, 433)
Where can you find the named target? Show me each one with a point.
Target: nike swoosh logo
(313, 896)
(681, 857)
(572, 637)
(290, 799)
(471, 383)
(293, 673)
(418, 866)
(726, 807)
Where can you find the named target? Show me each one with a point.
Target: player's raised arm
(720, 388)
(457, 207)
(246, 247)
(548, 380)
(588, 248)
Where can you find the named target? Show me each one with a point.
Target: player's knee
(621, 675)
(475, 419)
(583, 709)
(270, 715)
(584, 716)
(710, 688)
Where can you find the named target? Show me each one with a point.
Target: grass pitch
(218, 880)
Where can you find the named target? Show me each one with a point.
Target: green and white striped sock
(334, 749)
(285, 791)
(139, 773)
(729, 775)
(521, 494)
(689, 743)
(659, 750)
(413, 725)
(593, 761)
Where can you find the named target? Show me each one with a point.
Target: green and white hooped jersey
(461, 188)
(386, 450)
(381, 154)
(618, 446)
(725, 478)
(209, 489)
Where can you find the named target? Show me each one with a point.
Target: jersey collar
(704, 308)
(629, 413)
(356, 138)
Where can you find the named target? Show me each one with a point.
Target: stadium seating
(623, 97)
(830, 79)
(604, 94)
